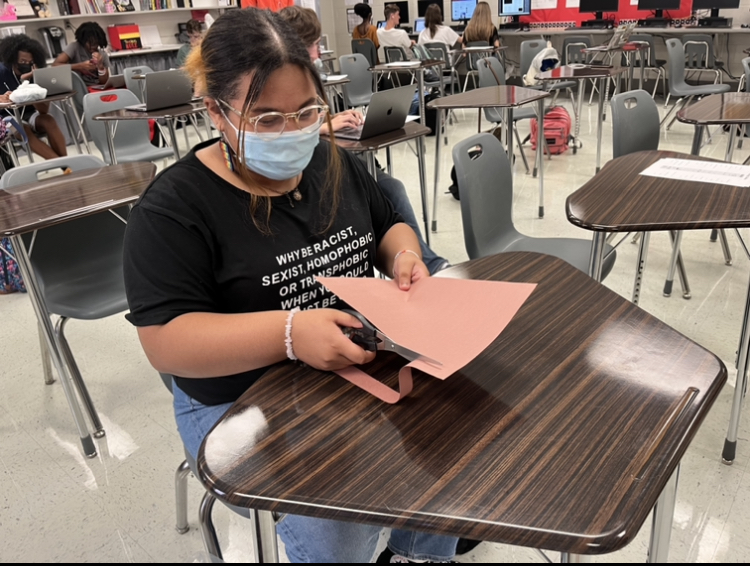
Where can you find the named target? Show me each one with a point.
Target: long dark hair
(433, 17)
(257, 42)
(11, 45)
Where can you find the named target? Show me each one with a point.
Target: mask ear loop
(226, 149)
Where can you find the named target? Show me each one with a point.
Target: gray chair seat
(485, 183)
(699, 90)
(93, 295)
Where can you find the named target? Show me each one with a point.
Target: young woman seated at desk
(19, 56)
(221, 247)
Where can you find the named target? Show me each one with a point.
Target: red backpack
(556, 130)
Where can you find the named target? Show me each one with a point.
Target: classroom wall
(333, 16)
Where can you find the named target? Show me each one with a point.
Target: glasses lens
(270, 124)
(312, 118)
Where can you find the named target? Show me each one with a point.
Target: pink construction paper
(449, 320)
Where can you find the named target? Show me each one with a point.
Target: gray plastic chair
(439, 51)
(208, 531)
(394, 54)
(680, 89)
(136, 85)
(699, 54)
(743, 86)
(358, 91)
(485, 183)
(652, 64)
(78, 265)
(471, 63)
(635, 123)
(491, 73)
(367, 48)
(131, 140)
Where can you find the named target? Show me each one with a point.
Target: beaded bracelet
(288, 334)
(401, 253)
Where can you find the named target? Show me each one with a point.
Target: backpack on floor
(557, 125)
(10, 276)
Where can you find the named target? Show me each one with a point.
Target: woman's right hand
(85, 67)
(317, 340)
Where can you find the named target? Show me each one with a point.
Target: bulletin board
(626, 12)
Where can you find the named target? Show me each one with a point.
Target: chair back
(358, 91)
(30, 173)
(420, 52)
(129, 134)
(394, 54)
(81, 90)
(529, 50)
(699, 51)
(437, 50)
(485, 183)
(651, 51)
(573, 47)
(367, 48)
(746, 69)
(136, 85)
(635, 123)
(491, 73)
(472, 58)
(676, 63)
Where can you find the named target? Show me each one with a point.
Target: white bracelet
(401, 253)
(101, 73)
(288, 334)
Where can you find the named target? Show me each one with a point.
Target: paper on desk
(449, 320)
(336, 77)
(403, 64)
(716, 172)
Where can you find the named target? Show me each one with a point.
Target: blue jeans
(395, 192)
(308, 539)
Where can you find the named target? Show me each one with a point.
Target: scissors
(371, 339)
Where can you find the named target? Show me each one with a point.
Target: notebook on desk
(56, 80)
(387, 112)
(164, 89)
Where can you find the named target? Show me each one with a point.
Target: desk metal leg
(661, 526)
(439, 124)
(597, 255)
(641, 266)
(733, 129)
(568, 558)
(420, 87)
(579, 112)
(265, 535)
(40, 309)
(540, 145)
(730, 443)
(80, 124)
(110, 142)
(509, 135)
(173, 139)
(697, 139)
(725, 247)
(599, 121)
(423, 187)
(49, 379)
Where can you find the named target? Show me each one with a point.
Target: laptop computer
(419, 25)
(621, 36)
(56, 80)
(164, 89)
(387, 112)
(114, 81)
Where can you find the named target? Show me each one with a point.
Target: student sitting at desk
(19, 56)
(366, 30)
(305, 22)
(481, 28)
(86, 55)
(221, 250)
(194, 32)
(390, 35)
(434, 31)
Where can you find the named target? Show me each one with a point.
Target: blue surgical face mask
(280, 158)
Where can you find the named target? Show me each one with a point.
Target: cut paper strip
(449, 320)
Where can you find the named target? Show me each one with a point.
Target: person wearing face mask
(305, 22)
(86, 55)
(220, 251)
(19, 56)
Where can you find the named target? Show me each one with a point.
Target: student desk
(16, 109)
(52, 201)
(508, 97)
(418, 67)
(330, 85)
(619, 199)
(561, 435)
(604, 74)
(168, 114)
(410, 131)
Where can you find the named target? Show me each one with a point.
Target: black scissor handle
(363, 337)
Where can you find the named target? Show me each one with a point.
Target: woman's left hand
(408, 268)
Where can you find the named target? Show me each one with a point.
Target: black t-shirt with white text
(191, 246)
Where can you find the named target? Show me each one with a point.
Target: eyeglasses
(273, 124)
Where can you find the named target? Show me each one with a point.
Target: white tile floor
(55, 505)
